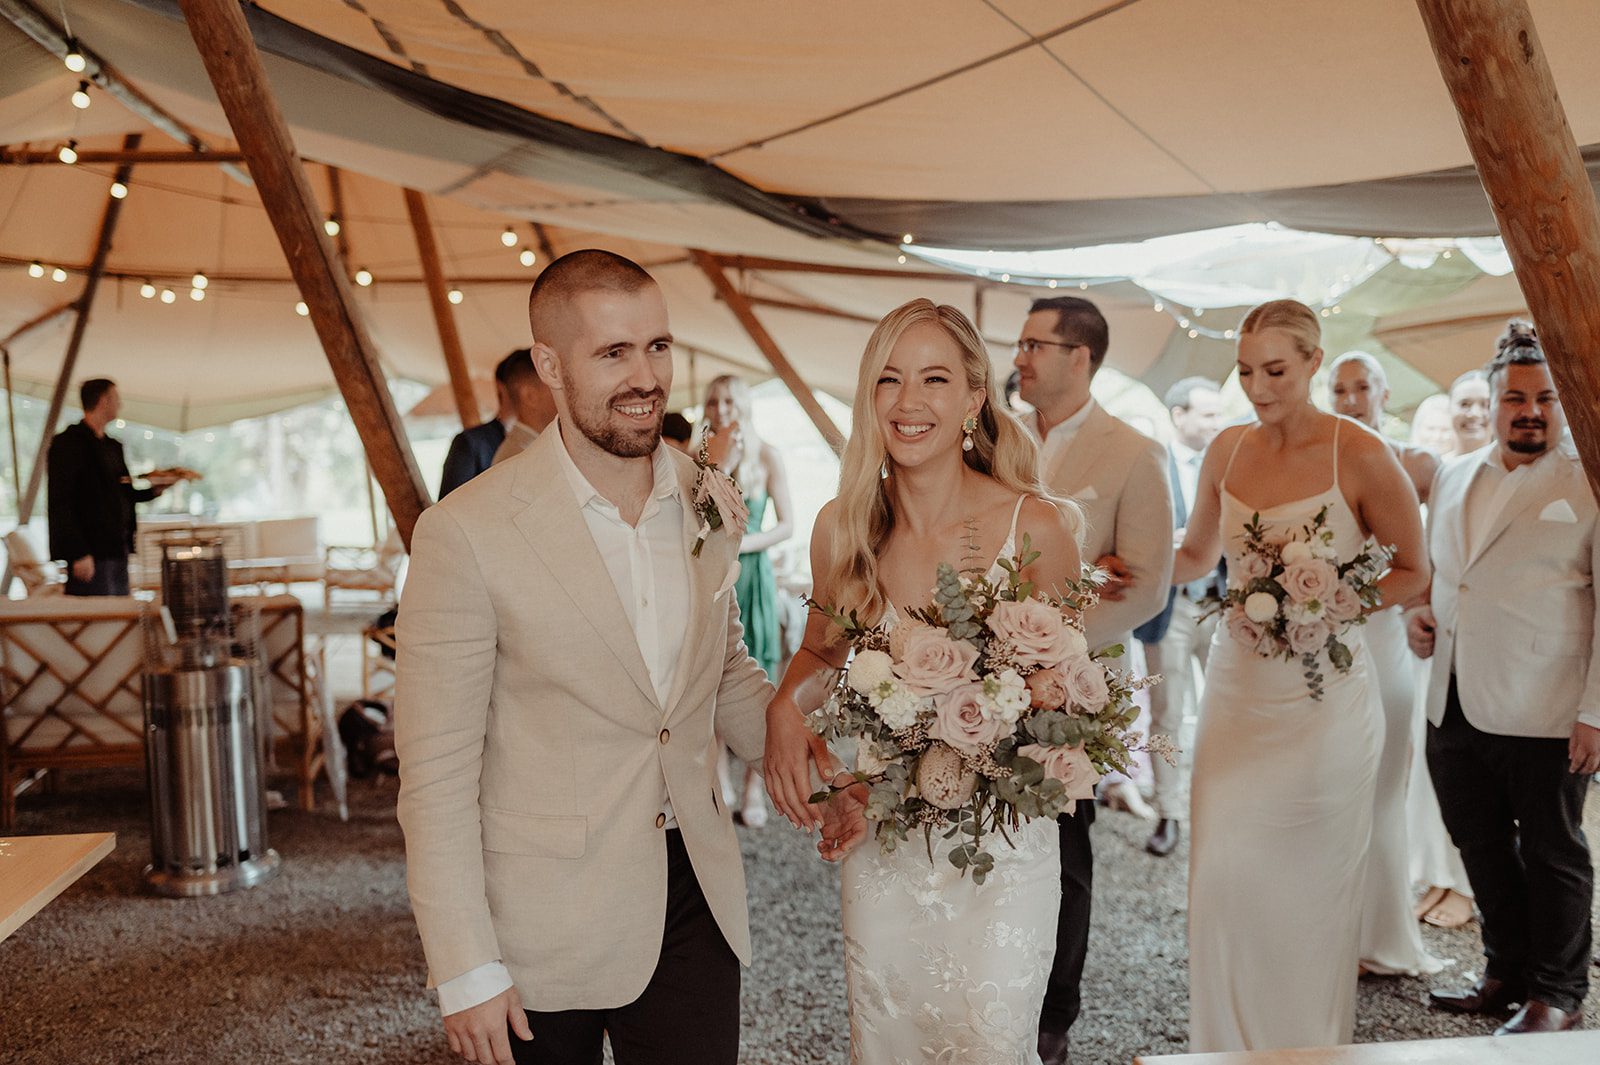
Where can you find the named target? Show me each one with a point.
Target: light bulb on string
(197, 294)
(1193, 333)
(80, 97)
(36, 269)
(1005, 278)
(168, 296)
(456, 296)
(526, 257)
(58, 275)
(119, 191)
(1160, 308)
(68, 153)
(199, 281)
(509, 237)
(1083, 286)
(331, 226)
(1052, 282)
(364, 277)
(905, 238)
(74, 58)
(901, 260)
(147, 290)
(301, 309)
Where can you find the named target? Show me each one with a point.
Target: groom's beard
(624, 441)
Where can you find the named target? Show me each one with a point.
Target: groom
(567, 668)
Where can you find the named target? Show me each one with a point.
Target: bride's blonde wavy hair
(1002, 449)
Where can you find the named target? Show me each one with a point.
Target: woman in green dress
(729, 441)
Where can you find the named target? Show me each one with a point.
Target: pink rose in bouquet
(1070, 765)
(1344, 605)
(931, 663)
(1242, 629)
(1047, 688)
(1306, 639)
(1036, 629)
(959, 719)
(1085, 680)
(1309, 579)
(1250, 567)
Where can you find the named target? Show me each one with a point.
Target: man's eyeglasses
(1030, 346)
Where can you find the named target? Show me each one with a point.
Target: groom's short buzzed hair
(581, 271)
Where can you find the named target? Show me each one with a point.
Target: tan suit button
(661, 820)
(1462, 589)
(666, 734)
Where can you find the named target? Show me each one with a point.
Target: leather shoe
(1535, 1016)
(1164, 840)
(1053, 1048)
(1487, 995)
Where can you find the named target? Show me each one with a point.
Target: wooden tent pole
(85, 303)
(17, 157)
(736, 301)
(11, 423)
(40, 319)
(1497, 74)
(230, 57)
(455, 360)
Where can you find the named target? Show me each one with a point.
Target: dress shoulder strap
(1011, 537)
(1338, 422)
(1231, 456)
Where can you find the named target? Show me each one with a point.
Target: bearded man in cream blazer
(1119, 477)
(1514, 692)
(570, 658)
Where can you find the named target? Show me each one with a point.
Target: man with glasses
(1118, 476)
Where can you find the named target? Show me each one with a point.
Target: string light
(36, 269)
(301, 309)
(331, 226)
(119, 191)
(68, 153)
(147, 290)
(74, 58)
(1005, 278)
(1083, 286)
(1159, 308)
(199, 281)
(509, 237)
(905, 238)
(364, 277)
(1052, 282)
(901, 260)
(58, 275)
(197, 294)
(168, 296)
(526, 257)
(80, 98)
(455, 295)
(1193, 333)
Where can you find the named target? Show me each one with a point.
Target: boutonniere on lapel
(717, 500)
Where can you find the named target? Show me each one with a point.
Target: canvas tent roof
(819, 133)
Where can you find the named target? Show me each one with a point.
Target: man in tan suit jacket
(567, 669)
(1119, 477)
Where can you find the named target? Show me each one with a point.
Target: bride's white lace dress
(941, 969)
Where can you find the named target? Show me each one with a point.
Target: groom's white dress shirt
(648, 564)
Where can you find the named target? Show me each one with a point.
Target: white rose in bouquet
(1261, 607)
(869, 669)
(1296, 551)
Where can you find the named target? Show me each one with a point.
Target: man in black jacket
(472, 450)
(92, 496)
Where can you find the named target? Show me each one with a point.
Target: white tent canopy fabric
(823, 133)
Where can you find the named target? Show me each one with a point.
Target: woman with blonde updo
(1284, 785)
(935, 471)
(729, 441)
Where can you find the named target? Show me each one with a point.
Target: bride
(1283, 791)
(938, 967)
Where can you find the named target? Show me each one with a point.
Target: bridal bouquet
(1292, 598)
(979, 710)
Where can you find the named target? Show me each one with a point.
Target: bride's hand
(844, 823)
(791, 751)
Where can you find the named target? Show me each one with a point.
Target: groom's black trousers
(688, 1013)
(1516, 815)
(1062, 995)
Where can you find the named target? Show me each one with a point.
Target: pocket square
(728, 581)
(1085, 494)
(1559, 510)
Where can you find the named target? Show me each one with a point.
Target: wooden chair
(364, 569)
(39, 575)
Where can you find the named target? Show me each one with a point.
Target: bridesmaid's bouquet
(978, 711)
(1292, 598)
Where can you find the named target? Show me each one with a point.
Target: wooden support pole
(223, 39)
(780, 266)
(1497, 74)
(336, 201)
(444, 318)
(736, 301)
(88, 155)
(42, 318)
(85, 303)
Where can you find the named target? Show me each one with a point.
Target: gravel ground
(323, 964)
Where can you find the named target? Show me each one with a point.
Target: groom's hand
(478, 1033)
(844, 823)
(791, 750)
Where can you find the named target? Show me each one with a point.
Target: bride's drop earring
(968, 427)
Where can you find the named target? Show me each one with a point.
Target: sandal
(1453, 911)
(1430, 898)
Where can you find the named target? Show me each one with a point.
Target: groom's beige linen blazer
(535, 756)
(1516, 614)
